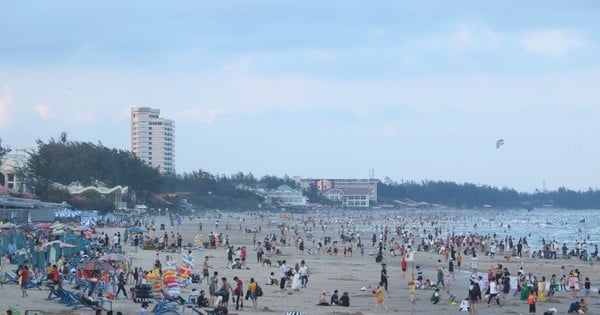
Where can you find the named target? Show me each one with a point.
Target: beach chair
(83, 303)
(220, 310)
(103, 301)
(54, 293)
(191, 303)
(31, 283)
(11, 277)
(2, 280)
(165, 306)
(68, 298)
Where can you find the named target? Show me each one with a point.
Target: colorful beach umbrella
(113, 257)
(95, 264)
(43, 226)
(7, 226)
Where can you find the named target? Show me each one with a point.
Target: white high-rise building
(153, 138)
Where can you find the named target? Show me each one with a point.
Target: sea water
(537, 226)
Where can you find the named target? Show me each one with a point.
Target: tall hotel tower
(153, 138)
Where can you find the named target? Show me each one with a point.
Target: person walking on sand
(121, 285)
(283, 270)
(251, 294)
(379, 297)
(238, 293)
(384, 276)
(412, 288)
(213, 286)
(404, 266)
(440, 274)
(303, 273)
(474, 296)
(451, 268)
(23, 278)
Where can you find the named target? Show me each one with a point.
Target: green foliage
(65, 162)
(314, 196)
(475, 196)
(93, 200)
(58, 195)
(272, 181)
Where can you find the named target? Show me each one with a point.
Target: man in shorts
(205, 267)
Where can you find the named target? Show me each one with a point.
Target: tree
(63, 162)
(3, 151)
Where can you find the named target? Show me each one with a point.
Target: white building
(285, 195)
(350, 197)
(354, 190)
(153, 138)
(11, 164)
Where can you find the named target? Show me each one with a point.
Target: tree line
(59, 162)
(469, 195)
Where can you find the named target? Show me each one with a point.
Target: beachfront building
(285, 195)
(10, 168)
(153, 138)
(349, 197)
(348, 192)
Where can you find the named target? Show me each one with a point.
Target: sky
(415, 90)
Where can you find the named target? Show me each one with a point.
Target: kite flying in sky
(499, 143)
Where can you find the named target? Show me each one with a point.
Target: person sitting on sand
(345, 299)
(272, 280)
(335, 299)
(203, 300)
(435, 297)
(575, 308)
(323, 299)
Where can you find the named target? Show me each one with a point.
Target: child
(379, 297)
(464, 305)
(435, 297)
(412, 287)
(531, 302)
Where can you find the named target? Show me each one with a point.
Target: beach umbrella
(57, 226)
(95, 264)
(113, 257)
(81, 228)
(137, 229)
(61, 244)
(43, 226)
(7, 226)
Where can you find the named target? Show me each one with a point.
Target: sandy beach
(328, 272)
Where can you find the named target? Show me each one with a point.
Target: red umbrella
(113, 257)
(44, 226)
(7, 226)
(96, 264)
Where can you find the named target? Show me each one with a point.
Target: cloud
(462, 38)
(81, 118)
(44, 111)
(551, 42)
(120, 115)
(5, 100)
(197, 114)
